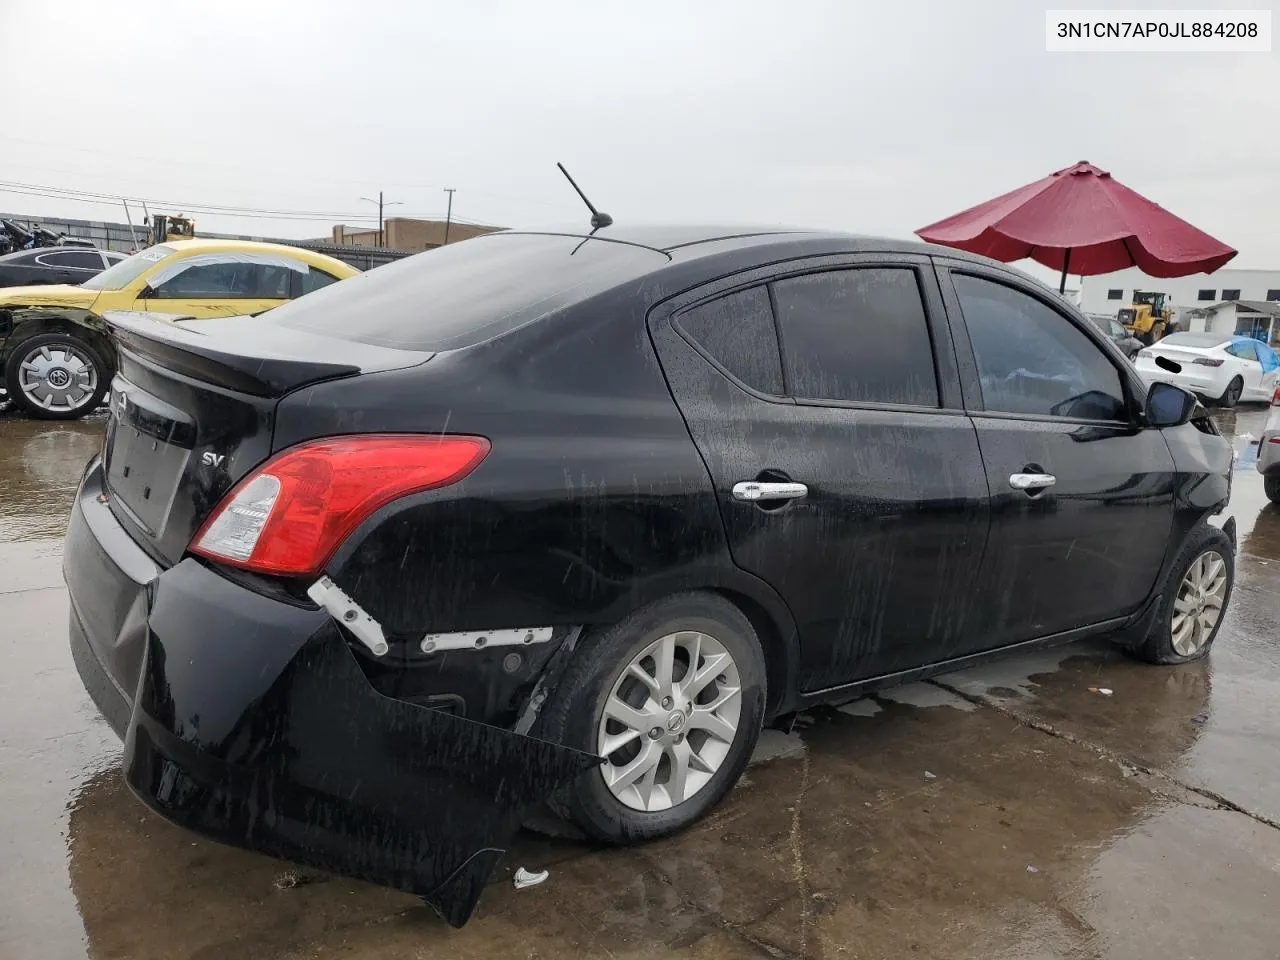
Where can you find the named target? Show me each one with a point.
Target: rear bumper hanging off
(253, 724)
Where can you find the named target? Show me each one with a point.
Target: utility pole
(390, 203)
(448, 217)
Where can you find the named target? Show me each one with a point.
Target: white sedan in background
(1222, 368)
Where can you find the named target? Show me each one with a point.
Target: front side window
(737, 330)
(1032, 360)
(857, 334)
(224, 275)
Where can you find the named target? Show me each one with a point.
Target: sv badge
(211, 459)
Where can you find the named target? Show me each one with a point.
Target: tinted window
(227, 277)
(737, 331)
(314, 279)
(1205, 295)
(467, 292)
(1033, 360)
(88, 259)
(856, 334)
(1229, 294)
(1273, 295)
(1114, 294)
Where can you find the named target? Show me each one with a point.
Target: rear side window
(314, 279)
(1032, 360)
(87, 259)
(737, 331)
(856, 335)
(467, 292)
(1243, 350)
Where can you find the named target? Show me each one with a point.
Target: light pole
(448, 216)
(390, 203)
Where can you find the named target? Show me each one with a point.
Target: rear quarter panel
(592, 502)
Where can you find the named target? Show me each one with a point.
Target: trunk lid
(193, 410)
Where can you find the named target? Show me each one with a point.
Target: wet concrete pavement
(1000, 812)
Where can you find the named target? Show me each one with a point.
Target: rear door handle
(754, 490)
(1032, 481)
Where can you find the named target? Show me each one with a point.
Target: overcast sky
(869, 117)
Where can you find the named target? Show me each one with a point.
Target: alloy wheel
(670, 720)
(1199, 603)
(59, 377)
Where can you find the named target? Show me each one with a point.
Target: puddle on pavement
(41, 463)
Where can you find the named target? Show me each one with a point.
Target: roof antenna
(598, 219)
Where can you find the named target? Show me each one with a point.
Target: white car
(1269, 451)
(1223, 368)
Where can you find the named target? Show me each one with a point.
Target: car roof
(683, 240)
(215, 245)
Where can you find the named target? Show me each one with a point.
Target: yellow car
(55, 353)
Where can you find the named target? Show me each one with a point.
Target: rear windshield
(1193, 340)
(466, 293)
(126, 271)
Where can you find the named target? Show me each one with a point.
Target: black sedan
(46, 265)
(570, 516)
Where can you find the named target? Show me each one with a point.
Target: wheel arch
(34, 322)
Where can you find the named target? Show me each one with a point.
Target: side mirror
(1169, 406)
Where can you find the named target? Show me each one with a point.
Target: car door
(1082, 496)
(218, 285)
(847, 473)
(1244, 357)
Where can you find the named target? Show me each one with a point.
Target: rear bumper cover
(249, 721)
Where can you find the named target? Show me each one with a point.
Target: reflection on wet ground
(1009, 811)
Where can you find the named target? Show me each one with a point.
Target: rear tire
(1272, 485)
(692, 750)
(56, 376)
(1231, 396)
(1193, 602)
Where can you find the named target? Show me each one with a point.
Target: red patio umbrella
(1080, 219)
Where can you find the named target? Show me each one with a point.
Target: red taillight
(1208, 361)
(292, 513)
(1275, 397)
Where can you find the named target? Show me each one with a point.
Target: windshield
(1199, 340)
(126, 271)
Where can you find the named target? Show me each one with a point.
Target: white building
(1202, 301)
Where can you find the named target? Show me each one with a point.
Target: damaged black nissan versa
(565, 517)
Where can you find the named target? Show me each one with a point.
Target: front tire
(1271, 484)
(1231, 396)
(1193, 601)
(56, 376)
(673, 698)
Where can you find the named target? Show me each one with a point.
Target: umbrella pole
(1066, 262)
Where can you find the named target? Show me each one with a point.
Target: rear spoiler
(247, 354)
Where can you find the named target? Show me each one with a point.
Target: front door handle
(1032, 481)
(753, 491)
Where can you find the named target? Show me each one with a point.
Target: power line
(65, 193)
(207, 212)
(258, 171)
